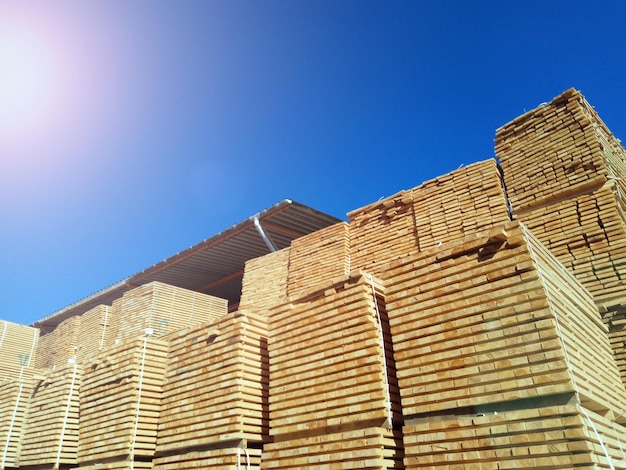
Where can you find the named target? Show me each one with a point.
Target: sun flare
(28, 78)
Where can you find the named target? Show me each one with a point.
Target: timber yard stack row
(474, 321)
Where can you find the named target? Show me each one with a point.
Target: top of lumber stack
(17, 348)
(164, 308)
(446, 208)
(559, 149)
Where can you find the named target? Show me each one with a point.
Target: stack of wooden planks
(215, 394)
(120, 402)
(446, 208)
(51, 429)
(588, 234)
(265, 282)
(324, 254)
(164, 308)
(489, 322)
(555, 151)
(56, 347)
(565, 175)
(18, 347)
(333, 396)
(550, 437)
(16, 395)
(96, 332)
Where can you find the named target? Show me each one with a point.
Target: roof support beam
(264, 236)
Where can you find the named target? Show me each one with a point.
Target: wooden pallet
(440, 210)
(216, 385)
(121, 401)
(51, 425)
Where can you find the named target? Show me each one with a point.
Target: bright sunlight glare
(27, 79)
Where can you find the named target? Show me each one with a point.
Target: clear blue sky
(130, 130)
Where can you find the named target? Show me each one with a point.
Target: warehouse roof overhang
(215, 265)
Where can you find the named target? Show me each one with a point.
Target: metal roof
(215, 265)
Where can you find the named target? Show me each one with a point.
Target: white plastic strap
(13, 417)
(32, 348)
(104, 327)
(4, 332)
(382, 346)
(67, 412)
(593, 426)
(136, 428)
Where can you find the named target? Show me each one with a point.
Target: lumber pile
(51, 429)
(557, 150)
(164, 308)
(265, 281)
(215, 394)
(16, 395)
(225, 459)
(565, 175)
(331, 390)
(120, 402)
(446, 208)
(96, 332)
(18, 345)
(324, 254)
(56, 347)
(549, 437)
(495, 318)
(488, 322)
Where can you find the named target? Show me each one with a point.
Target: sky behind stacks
(131, 130)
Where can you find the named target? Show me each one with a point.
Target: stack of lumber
(164, 308)
(51, 428)
(96, 332)
(446, 208)
(18, 346)
(265, 282)
(122, 464)
(557, 150)
(219, 458)
(333, 394)
(494, 318)
(16, 395)
(565, 175)
(551, 437)
(588, 235)
(324, 254)
(120, 402)
(215, 392)
(56, 347)
(371, 448)
(489, 321)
